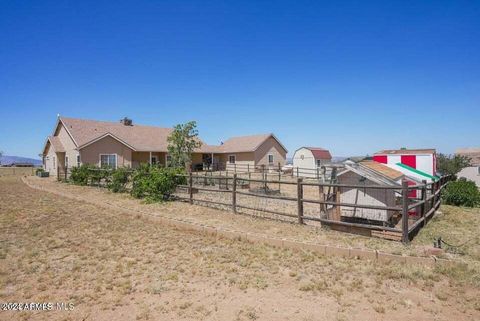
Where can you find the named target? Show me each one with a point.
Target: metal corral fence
(320, 173)
(309, 202)
(17, 171)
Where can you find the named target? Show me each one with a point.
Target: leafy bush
(80, 175)
(462, 193)
(155, 183)
(119, 179)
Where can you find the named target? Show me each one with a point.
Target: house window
(168, 160)
(319, 162)
(108, 160)
(78, 160)
(231, 159)
(66, 161)
(270, 158)
(154, 160)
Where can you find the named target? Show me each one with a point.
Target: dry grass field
(113, 266)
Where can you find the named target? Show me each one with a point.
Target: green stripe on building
(434, 178)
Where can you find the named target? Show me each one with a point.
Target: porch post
(150, 159)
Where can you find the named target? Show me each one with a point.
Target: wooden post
(423, 207)
(279, 179)
(235, 168)
(190, 187)
(234, 194)
(405, 211)
(300, 200)
(248, 168)
(66, 170)
(297, 172)
(58, 174)
(318, 173)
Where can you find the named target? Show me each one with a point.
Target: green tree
(181, 143)
(451, 164)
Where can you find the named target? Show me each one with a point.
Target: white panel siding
(308, 162)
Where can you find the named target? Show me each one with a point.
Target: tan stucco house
(124, 144)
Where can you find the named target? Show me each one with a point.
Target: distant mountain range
(9, 160)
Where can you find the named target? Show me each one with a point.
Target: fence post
(190, 187)
(248, 167)
(66, 173)
(58, 174)
(234, 194)
(297, 172)
(318, 173)
(423, 207)
(404, 211)
(300, 200)
(235, 168)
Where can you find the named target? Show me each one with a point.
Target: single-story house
(418, 163)
(307, 161)
(369, 173)
(472, 172)
(124, 144)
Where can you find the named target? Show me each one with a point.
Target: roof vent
(126, 121)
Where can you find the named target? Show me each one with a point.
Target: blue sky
(351, 76)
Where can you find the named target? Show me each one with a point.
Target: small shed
(307, 161)
(368, 173)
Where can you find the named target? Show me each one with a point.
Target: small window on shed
(270, 158)
(319, 162)
(231, 159)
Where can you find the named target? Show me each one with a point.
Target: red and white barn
(420, 164)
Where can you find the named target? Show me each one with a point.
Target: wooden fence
(305, 201)
(234, 186)
(17, 171)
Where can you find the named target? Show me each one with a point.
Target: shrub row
(154, 183)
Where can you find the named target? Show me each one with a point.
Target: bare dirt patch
(114, 266)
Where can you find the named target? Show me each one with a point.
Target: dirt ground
(113, 266)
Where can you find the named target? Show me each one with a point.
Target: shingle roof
(245, 143)
(473, 153)
(56, 143)
(320, 153)
(150, 138)
(406, 151)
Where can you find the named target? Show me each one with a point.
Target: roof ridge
(112, 122)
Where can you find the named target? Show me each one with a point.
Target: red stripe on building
(409, 160)
(380, 159)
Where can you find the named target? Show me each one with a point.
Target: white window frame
(268, 159)
(79, 162)
(234, 159)
(152, 158)
(167, 161)
(319, 162)
(100, 159)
